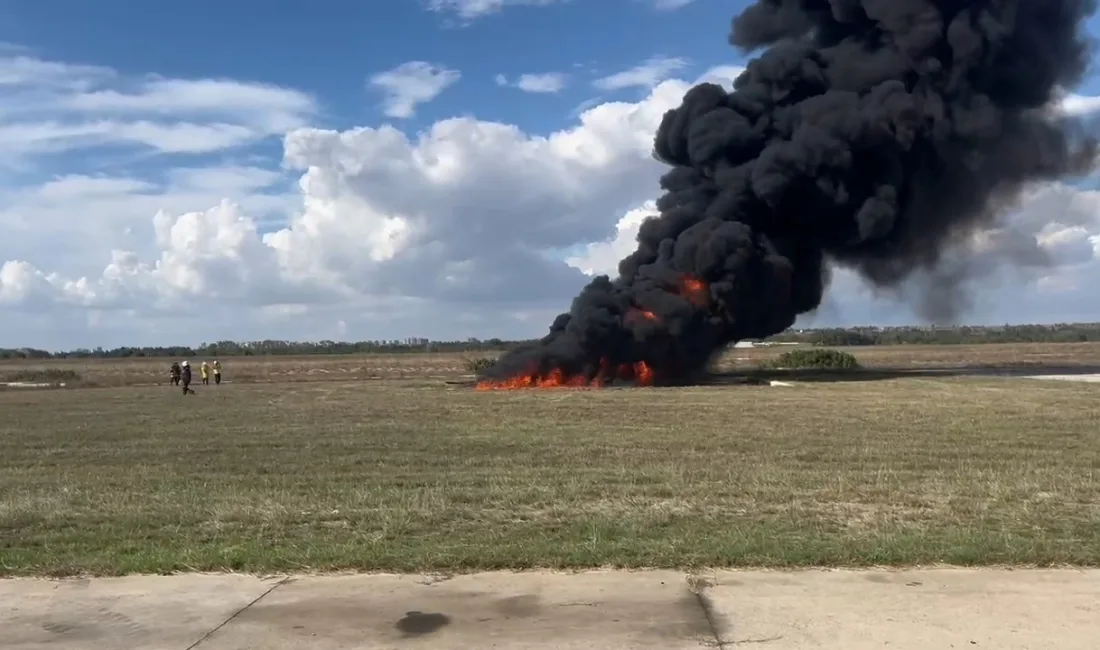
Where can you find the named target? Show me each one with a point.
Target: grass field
(416, 475)
(149, 372)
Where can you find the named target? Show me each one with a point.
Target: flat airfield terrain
(151, 372)
(376, 468)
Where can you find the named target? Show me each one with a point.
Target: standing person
(204, 370)
(217, 373)
(186, 378)
(174, 373)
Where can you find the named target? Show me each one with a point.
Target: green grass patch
(813, 359)
(414, 476)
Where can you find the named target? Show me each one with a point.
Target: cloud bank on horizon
(403, 226)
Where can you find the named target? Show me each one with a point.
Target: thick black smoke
(869, 133)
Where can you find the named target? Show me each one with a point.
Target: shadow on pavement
(420, 623)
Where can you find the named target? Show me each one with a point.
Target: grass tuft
(480, 365)
(813, 358)
(42, 375)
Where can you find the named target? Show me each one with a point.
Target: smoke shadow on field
(811, 375)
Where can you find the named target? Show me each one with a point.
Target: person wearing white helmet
(185, 378)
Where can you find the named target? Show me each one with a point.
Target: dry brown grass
(139, 372)
(149, 372)
(414, 475)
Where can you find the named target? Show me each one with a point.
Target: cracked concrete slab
(638, 610)
(858, 610)
(135, 612)
(907, 610)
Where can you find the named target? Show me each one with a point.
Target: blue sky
(200, 170)
(329, 48)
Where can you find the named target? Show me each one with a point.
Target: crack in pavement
(701, 599)
(708, 613)
(238, 613)
(698, 586)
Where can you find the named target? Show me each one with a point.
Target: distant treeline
(1061, 333)
(268, 348)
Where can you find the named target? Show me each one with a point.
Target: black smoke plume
(872, 134)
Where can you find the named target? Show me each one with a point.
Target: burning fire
(695, 290)
(638, 312)
(640, 373)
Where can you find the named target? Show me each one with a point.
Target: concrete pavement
(1089, 378)
(854, 610)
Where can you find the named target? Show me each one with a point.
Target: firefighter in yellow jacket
(204, 369)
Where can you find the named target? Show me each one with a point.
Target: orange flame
(640, 373)
(695, 290)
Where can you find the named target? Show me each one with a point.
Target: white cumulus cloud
(537, 83)
(646, 74)
(410, 84)
(52, 106)
(466, 228)
(471, 9)
(670, 5)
